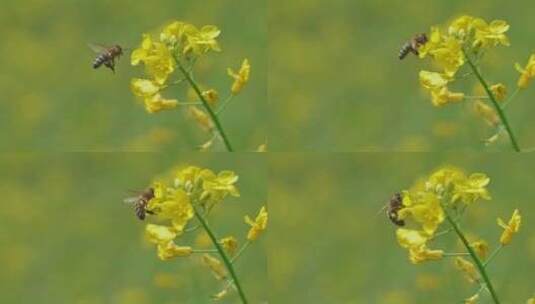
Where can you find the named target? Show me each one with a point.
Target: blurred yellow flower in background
(468, 269)
(241, 77)
(258, 225)
(215, 265)
(510, 228)
(499, 90)
(527, 73)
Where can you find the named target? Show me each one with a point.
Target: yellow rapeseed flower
(444, 96)
(471, 189)
(241, 77)
(157, 103)
(481, 248)
(436, 83)
(499, 90)
(158, 234)
(216, 266)
(187, 177)
(201, 41)
(461, 27)
(217, 187)
(173, 205)
(258, 225)
(449, 55)
(230, 244)
(527, 73)
(486, 112)
(167, 251)
(144, 87)
(204, 121)
(415, 241)
(408, 238)
(468, 269)
(433, 80)
(472, 300)
(492, 34)
(212, 96)
(510, 228)
(424, 208)
(158, 60)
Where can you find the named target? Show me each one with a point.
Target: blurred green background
(336, 83)
(327, 243)
(67, 237)
(52, 99)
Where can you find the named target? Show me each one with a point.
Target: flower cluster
(192, 193)
(177, 41)
(169, 60)
(449, 50)
(443, 197)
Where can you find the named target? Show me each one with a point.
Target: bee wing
(131, 200)
(97, 48)
(382, 210)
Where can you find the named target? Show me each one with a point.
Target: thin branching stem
(224, 257)
(242, 249)
(205, 103)
(510, 98)
(475, 258)
(224, 104)
(456, 254)
(492, 255)
(492, 98)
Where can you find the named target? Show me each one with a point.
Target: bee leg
(414, 51)
(149, 211)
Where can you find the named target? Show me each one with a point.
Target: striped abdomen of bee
(413, 45)
(394, 206)
(107, 57)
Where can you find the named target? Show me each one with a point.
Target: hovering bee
(106, 55)
(392, 208)
(413, 45)
(140, 202)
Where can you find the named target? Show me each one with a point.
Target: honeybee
(106, 55)
(140, 203)
(413, 45)
(392, 208)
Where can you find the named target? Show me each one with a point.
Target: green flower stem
(455, 254)
(223, 255)
(204, 251)
(475, 258)
(206, 105)
(503, 118)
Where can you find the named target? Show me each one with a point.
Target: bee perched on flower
(457, 50)
(190, 195)
(443, 198)
(169, 60)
